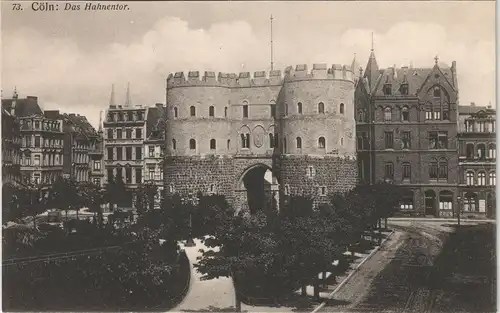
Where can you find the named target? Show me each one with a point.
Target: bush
(135, 277)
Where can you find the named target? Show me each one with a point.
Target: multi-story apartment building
(477, 160)
(96, 154)
(79, 140)
(11, 145)
(124, 132)
(42, 147)
(407, 133)
(154, 148)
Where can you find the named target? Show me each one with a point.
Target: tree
(63, 194)
(387, 199)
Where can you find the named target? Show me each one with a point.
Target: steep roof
(24, 107)
(155, 124)
(81, 124)
(372, 71)
(414, 77)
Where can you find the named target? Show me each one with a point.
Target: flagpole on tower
(272, 63)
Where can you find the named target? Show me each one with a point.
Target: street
(402, 277)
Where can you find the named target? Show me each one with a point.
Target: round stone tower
(316, 155)
(198, 129)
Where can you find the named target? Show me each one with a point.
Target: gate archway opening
(259, 189)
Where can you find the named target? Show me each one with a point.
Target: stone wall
(334, 173)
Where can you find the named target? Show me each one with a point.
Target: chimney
(473, 104)
(159, 105)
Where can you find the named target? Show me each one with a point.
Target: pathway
(205, 294)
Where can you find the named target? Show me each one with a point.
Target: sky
(70, 59)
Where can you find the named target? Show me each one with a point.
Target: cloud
(67, 76)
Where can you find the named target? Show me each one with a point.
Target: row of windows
(437, 170)
(128, 133)
(155, 151)
(128, 153)
(471, 180)
(125, 116)
(245, 142)
(48, 160)
(481, 152)
(430, 114)
(245, 108)
(39, 142)
(404, 89)
(152, 174)
(473, 204)
(473, 126)
(437, 140)
(40, 125)
(322, 190)
(80, 158)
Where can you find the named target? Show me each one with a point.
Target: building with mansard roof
(406, 128)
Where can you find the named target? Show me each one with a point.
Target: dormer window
(404, 89)
(387, 89)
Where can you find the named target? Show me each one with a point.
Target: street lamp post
(459, 209)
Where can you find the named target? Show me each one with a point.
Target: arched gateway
(256, 188)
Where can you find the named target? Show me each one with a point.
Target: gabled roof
(24, 107)
(414, 77)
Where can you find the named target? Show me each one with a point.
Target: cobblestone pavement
(395, 279)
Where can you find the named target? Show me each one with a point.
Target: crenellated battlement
(319, 71)
(227, 80)
(260, 78)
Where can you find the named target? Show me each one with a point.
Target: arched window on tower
(245, 140)
(211, 111)
(493, 179)
(271, 140)
(192, 144)
(212, 144)
(321, 108)
(245, 111)
(299, 142)
(192, 110)
(321, 143)
(299, 107)
(225, 112)
(176, 112)
(342, 108)
(174, 144)
(228, 144)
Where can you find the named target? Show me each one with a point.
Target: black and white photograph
(248, 156)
